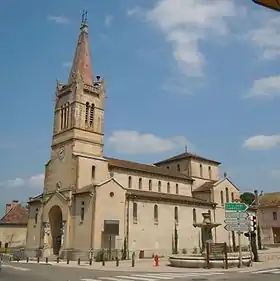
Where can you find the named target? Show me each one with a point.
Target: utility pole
(257, 203)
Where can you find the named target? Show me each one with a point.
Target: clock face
(61, 153)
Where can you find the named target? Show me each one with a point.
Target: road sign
(233, 206)
(271, 4)
(236, 221)
(239, 215)
(239, 228)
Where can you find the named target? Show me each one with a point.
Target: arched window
(232, 197)
(168, 187)
(135, 213)
(91, 117)
(156, 213)
(159, 186)
(36, 216)
(227, 195)
(65, 117)
(61, 117)
(140, 183)
(209, 212)
(210, 172)
(129, 182)
(150, 185)
(222, 197)
(178, 168)
(200, 171)
(194, 215)
(177, 188)
(176, 215)
(87, 112)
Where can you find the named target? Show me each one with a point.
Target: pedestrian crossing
(264, 271)
(154, 276)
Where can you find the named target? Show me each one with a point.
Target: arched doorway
(55, 219)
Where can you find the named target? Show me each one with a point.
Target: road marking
(16, 267)
(276, 272)
(86, 279)
(154, 275)
(111, 279)
(266, 271)
(137, 278)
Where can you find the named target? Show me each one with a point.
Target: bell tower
(79, 104)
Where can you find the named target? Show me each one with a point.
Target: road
(33, 272)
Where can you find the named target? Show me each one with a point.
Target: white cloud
(267, 37)
(262, 142)
(186, 23)
(108, 20)
(36, 181)
(265, 87)
(134, 11)
(59, 19)
(275, 174)
(132, 142)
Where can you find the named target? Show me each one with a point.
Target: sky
(201, 73)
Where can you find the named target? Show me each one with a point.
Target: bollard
(90, 261)
(47, 259)
(133, 259)
(57, 260)
(156, 260)
(103, 262)
(117, 261)
(27, 259)
(68, 261)
(79, 261)
(38, 259)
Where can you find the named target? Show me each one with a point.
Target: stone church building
(91, 201)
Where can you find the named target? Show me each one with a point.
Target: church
(91, 201)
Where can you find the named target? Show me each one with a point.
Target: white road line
(137, 278)
(154, 275)
(86, 279)
(265, 271)
(276, 272)
(15, 267)
(111, 279)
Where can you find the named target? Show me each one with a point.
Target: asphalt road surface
(33, 272)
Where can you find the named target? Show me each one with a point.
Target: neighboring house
(93, 201)
(269, 218)
(13, 226)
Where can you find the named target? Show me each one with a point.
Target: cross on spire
(84, 18)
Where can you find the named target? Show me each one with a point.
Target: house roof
(270, 199)
(17, 215)
(157, 196)
(151, 169)
(205, 186)
(187, 155)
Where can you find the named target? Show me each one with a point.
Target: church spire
(82, 63)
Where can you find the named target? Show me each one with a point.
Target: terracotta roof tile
(205, 186)
(124, 164)
(186, 155)
(270, 199)
(17, 215)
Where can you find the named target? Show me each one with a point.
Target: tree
(247, 197)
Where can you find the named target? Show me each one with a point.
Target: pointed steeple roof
(82, 63)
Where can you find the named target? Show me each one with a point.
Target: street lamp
(271, 4)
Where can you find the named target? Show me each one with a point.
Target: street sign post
(271, 4)
(237, 227)
(233, 206)
(237, 221)
(239, 215)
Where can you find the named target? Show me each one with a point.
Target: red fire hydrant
(156, 260)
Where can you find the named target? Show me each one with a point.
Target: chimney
(10, 206)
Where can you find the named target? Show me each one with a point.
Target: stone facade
(93, 202)
(269, 218)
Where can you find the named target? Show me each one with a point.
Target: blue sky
(201, 72)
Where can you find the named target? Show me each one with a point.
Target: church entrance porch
(56, 232)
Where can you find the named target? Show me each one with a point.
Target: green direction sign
(233, 206)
